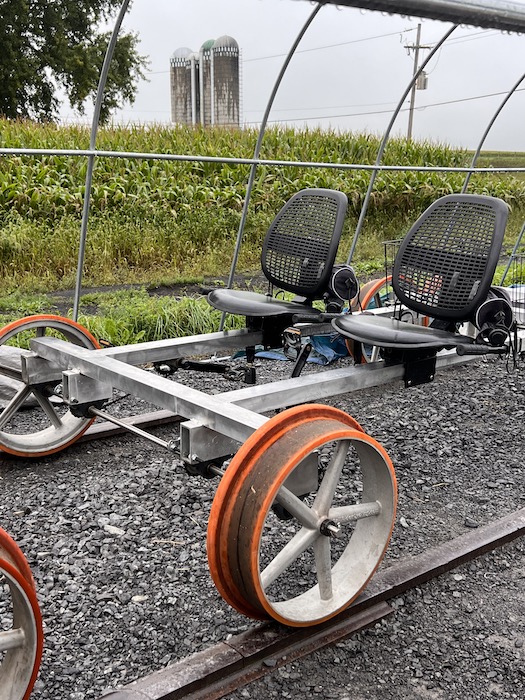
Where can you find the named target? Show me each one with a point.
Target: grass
(127, 316)
(134, 316)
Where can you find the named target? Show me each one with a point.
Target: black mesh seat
(298, 255)
(443, 270)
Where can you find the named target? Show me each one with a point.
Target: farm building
(205, 85)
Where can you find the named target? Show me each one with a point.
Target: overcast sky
(349, 72)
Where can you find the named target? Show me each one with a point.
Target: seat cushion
(391, 333)
(243, 303)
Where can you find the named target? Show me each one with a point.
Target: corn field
(166, 220)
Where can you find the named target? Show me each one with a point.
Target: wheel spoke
(296, 507)
(323, 564)
(346, 514)
(47, 407)
(14, 405)
(13, 639)
(326, 492)
(288, 554)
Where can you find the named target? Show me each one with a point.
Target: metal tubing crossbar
(235, 414)
(173, 348)
(489, 14)
(258, 161)
(223, 417)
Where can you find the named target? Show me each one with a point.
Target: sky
(348, 73)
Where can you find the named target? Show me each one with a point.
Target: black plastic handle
(473, 349)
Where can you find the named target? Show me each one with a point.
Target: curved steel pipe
(251, 178)
(91, 158)
(489, 127)
(386, 136)
(490, 14)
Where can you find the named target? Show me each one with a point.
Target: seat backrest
(301, 244)
(446, 262)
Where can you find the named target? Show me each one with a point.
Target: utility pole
(414, 47)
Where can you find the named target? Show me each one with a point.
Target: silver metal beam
(35, 370)
(219, 415)
(235, 414)
(489, 14)
(172, 348)
(251, 161)
(322, 385)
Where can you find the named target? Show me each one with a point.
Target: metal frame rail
(234, 414)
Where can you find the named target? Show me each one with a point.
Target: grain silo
(180, 81)
(225, 81)
(205, 86)
(205, 83)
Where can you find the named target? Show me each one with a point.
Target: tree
(50, 44)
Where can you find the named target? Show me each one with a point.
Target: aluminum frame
(235, 415)
(489, 14)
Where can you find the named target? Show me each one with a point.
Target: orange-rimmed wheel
(307, 569)
(21, 636)
(50, 427)
(374, 294)
(11, 552)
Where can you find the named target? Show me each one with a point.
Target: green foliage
(134, 316)
(153, 219)
(50, 44)
(17, 304)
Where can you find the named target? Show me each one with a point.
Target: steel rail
(489, 14)
(229, 665)
(136, 155)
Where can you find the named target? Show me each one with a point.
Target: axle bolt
(329, 528)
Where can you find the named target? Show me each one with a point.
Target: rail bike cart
(306, 479)
(298, 458)
(298, 478)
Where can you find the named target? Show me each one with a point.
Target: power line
(331, 46)
(315, 48)
(349, 114)
(305, 109)
(389, 111)
(455, 40)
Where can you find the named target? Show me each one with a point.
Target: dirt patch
(61, 302)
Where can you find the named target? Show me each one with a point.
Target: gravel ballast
(115, 533)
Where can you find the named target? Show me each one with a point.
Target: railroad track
(231, 664)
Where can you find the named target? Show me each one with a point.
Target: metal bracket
(420, 370)
(77, 389)
(201, 444)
